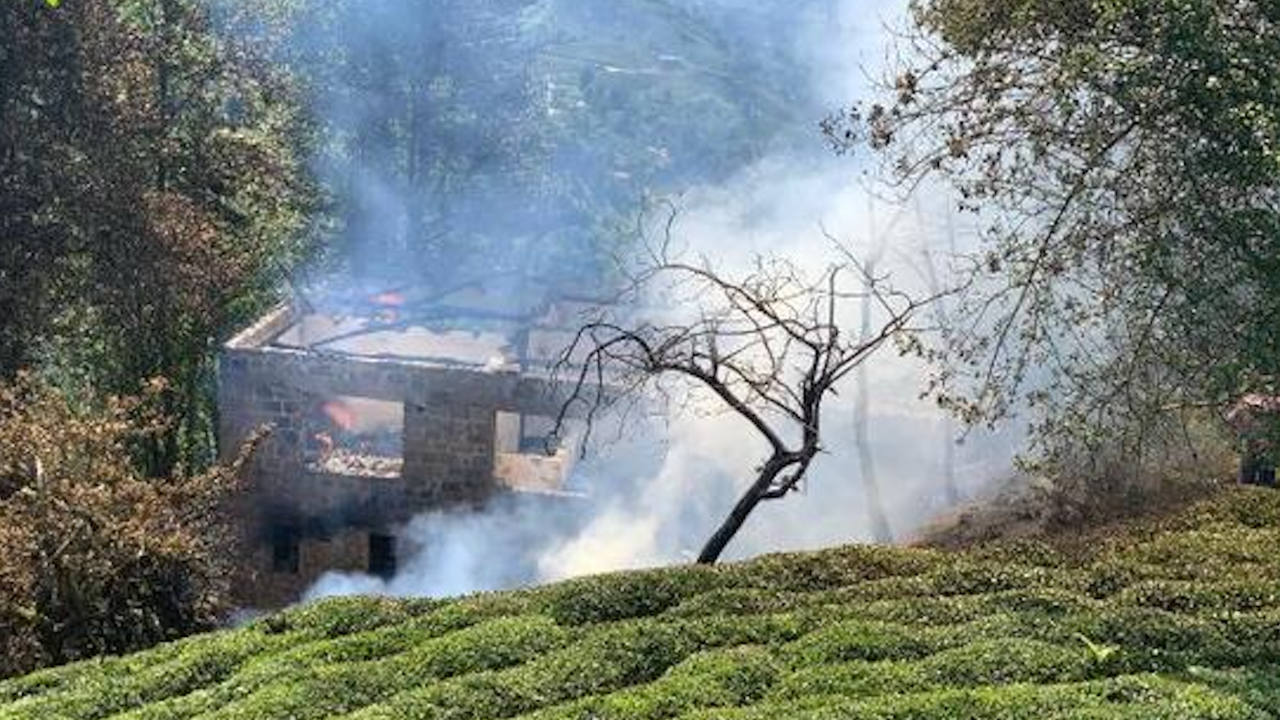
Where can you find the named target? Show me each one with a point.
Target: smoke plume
(656, 493)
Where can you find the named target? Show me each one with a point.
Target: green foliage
(1120, 155)
(557, 111)
(153, 196)
(623, 596)
(850, 633)
(859, 640)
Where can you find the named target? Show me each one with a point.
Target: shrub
(337, 617)
(969, 635)
(313, 689)
(967, 577)
(832, 569)
(1129, 698)
(721, 678)
(604, 660)
(1155, 640)
(94, 558)
(738, 602)
(859, 640)
(174, 671)
(1006, 661)
(933, 610)
(623, 595)
(1042, 602)
(1198, 597)
(856, 679)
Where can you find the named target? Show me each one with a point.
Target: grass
(1177, 618)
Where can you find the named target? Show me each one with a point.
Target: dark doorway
(382, 556)
(285, 552)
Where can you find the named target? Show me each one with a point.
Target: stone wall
(341, 552)
(450, 413)
(449, 447)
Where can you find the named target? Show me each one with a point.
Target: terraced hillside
(1176, 620)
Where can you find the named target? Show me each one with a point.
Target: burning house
(383, 407)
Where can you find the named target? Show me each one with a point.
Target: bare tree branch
(765, 344)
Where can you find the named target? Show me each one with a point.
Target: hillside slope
(1172, 620)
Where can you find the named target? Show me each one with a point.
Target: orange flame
(340, 414)
(389, 299)
(326, 444)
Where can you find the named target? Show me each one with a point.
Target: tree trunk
(950, 486)
(881, 531)
(746, 505)
(935, 286)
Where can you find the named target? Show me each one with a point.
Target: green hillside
(1178, 620)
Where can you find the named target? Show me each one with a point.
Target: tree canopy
(152, 196)
(516, 135)
(1124, 159)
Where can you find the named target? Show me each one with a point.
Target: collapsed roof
(491, 325)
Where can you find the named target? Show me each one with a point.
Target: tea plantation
(1175, 619)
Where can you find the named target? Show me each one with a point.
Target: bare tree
(766, 344)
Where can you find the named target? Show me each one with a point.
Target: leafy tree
(1123, 157)
(98, 559)
(429, 119)
(154, 196)
(466, 138)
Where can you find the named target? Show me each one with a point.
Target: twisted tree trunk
(754, 495)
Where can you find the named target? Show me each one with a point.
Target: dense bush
(1169, 620)
(94, 557)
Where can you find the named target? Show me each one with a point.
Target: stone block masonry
(448, 440)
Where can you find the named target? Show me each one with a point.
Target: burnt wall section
(449, 422)
(449, 450)
(265, 584)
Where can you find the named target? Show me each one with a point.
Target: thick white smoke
(658, 493)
